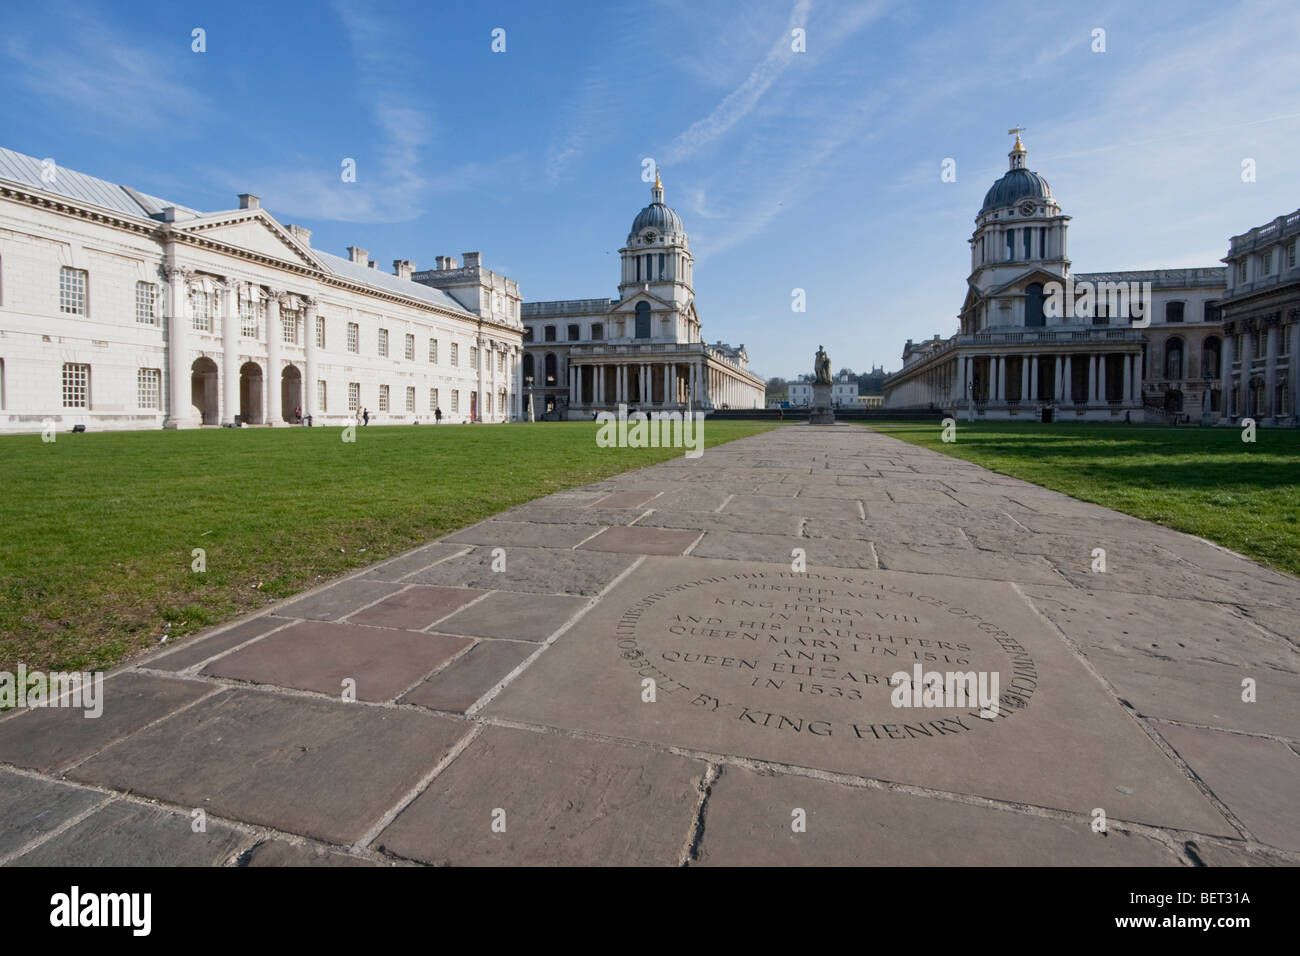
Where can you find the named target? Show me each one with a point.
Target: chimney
(301, 234)
(472, 260)
(402, 268)
(168, 214)
(249, 201)
(439, 263)
(358, 255)
(374, 264)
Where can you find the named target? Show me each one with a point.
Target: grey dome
(1016, 185)
(657, 216)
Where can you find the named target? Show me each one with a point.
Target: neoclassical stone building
(643, 349)
(1088, 346)
(121, 310)
(1261, 315)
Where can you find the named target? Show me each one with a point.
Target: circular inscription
(827, 655)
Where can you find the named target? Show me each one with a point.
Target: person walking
(297, 414)
(365, 416)
(437, 416)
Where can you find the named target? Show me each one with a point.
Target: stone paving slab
(456, 687)
(409, 563)
(564, 801)
(199, 649)
(338, 600)
(132, 834)
(284, 853)
(416, 608)
(639, 540)
(31, 807)
(514, 616)
(49, 739)
(750, 820)
(1258, 779)
(319, 656)
(311, 767)
(739, 677)
(536, 570)
(525, 534)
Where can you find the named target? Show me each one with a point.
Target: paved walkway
(503, 679)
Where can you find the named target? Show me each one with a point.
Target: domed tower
(657, 258)
(1019, 233)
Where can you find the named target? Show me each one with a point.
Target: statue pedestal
(821, 411)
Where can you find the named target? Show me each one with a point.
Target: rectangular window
(597, 331)
(383, 343)
(1029, 242)
(72, 291)
(433, 351)
(320, 331)
(354, 396)
(410, 398)
(661, 265)
(455, 401)
(76, 386)
(575, 333)
(638, 268)
(433, 400)
(1241, 271)
(1266, 263)
(1284, 340)
(501, 363)
(354, 336)
(146, 303)
(1173, 311)
(550, 333)
(383, 398)
(487, 401)
(248, 318)
(1042, 242)
(1290, 255)
(473, 358)
(320, 398)
(410, 348)
(149, 387)
(290, 323)
(455, 355)
(200, 311)
(1011, 243)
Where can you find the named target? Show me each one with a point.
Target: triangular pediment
(254, 230)
(1025, 278)
(629, 304)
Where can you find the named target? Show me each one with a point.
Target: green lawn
(1204, 481)
(99, 528)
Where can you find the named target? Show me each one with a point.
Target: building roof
(1015, 185)
(27, 171)
(30, 171)
(355, 272)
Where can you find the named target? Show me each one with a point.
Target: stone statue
(822, 368)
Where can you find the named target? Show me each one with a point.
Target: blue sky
(817, 170)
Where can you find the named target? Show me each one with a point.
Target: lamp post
(528, 391)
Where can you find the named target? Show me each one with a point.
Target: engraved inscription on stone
(813, 654)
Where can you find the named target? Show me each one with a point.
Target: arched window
(1034, 306)
(643, 320)
(1211, 349)
(528, 367)
(550, 368)
(1174, 358)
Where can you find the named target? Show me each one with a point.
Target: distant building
(1131, 346)
(119, 310)
(844, 392)
(1261, 321)
(643, 349)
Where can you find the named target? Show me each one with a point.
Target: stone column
(1101, 378)
(178, 351)
(1092, 378)
(573, 383)
(672, 377)
(1024, 379)
(1033, 378)
(1127, 372)
(1000, 378)
(1067, 381)
(309, 360)
(1058, 385)
(1247, 356)
(1293, 377)
(230, 352)
(274, 415)
(1270, 368)
(1225, 374)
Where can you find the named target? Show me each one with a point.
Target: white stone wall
(36, 339)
